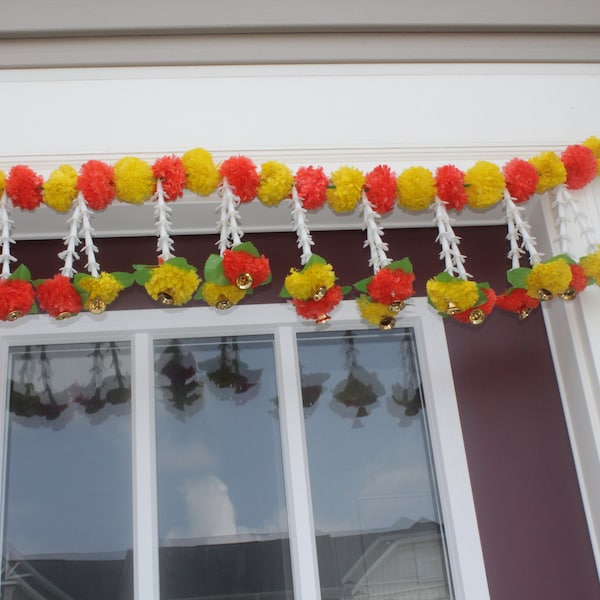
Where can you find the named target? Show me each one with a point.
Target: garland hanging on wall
(239, 267)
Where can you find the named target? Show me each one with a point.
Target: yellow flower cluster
(61, 188)
(593, 143)
(276, 181)
(134, 180)
(373, 312)
(484, 184)
(347, 189)
(462, 294)
(416, 188)
(551, 170)
(105, 288)
(179, 284)
(303, 285)
(201, 173)
(2, 182)
(554, 276)
(213, 293)
(591, 265)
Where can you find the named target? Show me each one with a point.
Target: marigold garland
(97, 184)
(347, 189)
(134, 180)
(16, 298)
(553, 276)
(24, 187)
(276, 181)
(318, 310)
(551, 171)
(170, 170)
(221, 296)
(581, 166)
(60, 189)
(201, 174)
(449, 294)
(450, 185)
(58, 297)
(521, 179)
(239, 264)
(311, 185)
(416, 188)
(99, 292)
(380, 187)
(242, 176)
(485, 185)
(172, 282)
(304, 284)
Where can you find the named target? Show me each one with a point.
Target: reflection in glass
(67, 521)
(378, 526)
(221, 506)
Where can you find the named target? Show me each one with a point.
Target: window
(181, 454)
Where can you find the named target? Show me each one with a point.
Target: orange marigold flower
(242, 176)
(581, 166)
(467, 315)
(579, 280)
(521, 179)
(380, 188)
(170, 170)
(316, 309)
(450, 183)
(24, 187)
(516, 300)
(236, 263)
(16, 298)
(96, 182)
(389, 286)
(311, 185)
(58, 297)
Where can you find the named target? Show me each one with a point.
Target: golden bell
(568, 295)
(320, 293)
(545, 295)
(396, 306)
(63, 315)
(165, 298)
(452, 309)
(223, 303)
(322, 319)
(13, 315)
(476, 316)
(387, 323)
(525, 312)
(97, 306)
(244, 281)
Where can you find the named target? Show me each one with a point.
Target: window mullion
(145, 519)
(295, 464)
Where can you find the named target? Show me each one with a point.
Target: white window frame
(142, 327)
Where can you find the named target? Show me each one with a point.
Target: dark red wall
(533, 530)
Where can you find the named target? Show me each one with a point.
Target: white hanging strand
(520, 227)
(580, 218)
(561, 202)
(88, 232)
(229, 222)
(162, 222)
(71, 241)
(300, 227)
(374, 241)
(5, 223)
(453, 259)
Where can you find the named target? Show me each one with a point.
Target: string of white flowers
(162, 222)
(300, 227)
(449, 241)
(87, 230)
(579, 218)
(561, 202)
(229, 221)
(71, 241)
(6, 224)
(518, 228)
(377, 247)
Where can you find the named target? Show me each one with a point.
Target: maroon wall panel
(533, 530)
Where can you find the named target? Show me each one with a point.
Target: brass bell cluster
(13, 315)
(223, 303)
(546, 295)
(244, 281)
(166, 297)
(389, 321)
(97, 306)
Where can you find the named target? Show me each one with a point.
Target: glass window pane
(379, 531)
(222, 514)
(68, 518)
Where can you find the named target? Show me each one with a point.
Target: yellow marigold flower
(201, 174)
(593, 143)
(2, 181)
(346, 193)
(373, 312)
(484, 184)
(178, 283)
(463, 294)
(303, 285)
(105, 288)
(213, 293)
(553, 276)
(416, 188)
(134, 180)
(591, 265)
(276, 181)
(551, 170)
(60, 189)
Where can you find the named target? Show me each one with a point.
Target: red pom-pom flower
(311, 185)
(380, 187)
(517, 300)
(24, 187)
(478, 314)
(96, 182)
(581, 165)
(16, 298)
(388, 286)
(245, 270)
(242, 176)
(170, 170)
(58, 297)
(450, 184)
(579, 279)
(521, 179)
(318, 310)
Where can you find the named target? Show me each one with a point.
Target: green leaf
(247, 247)
(482, 297)
(142, 276)
(346, 289)
(484, 285)
(564, 257)
(141, 267)
(315, 260)
(125, 279)
(268, 280)
(361, 285)
(180, 263)
(284, 293)
(34, 310)
(518, 277)
(403, 264)
(445, 277)
(83, 294)
(37, 282)
(22, 273)
(198, 295)
(213, 270)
